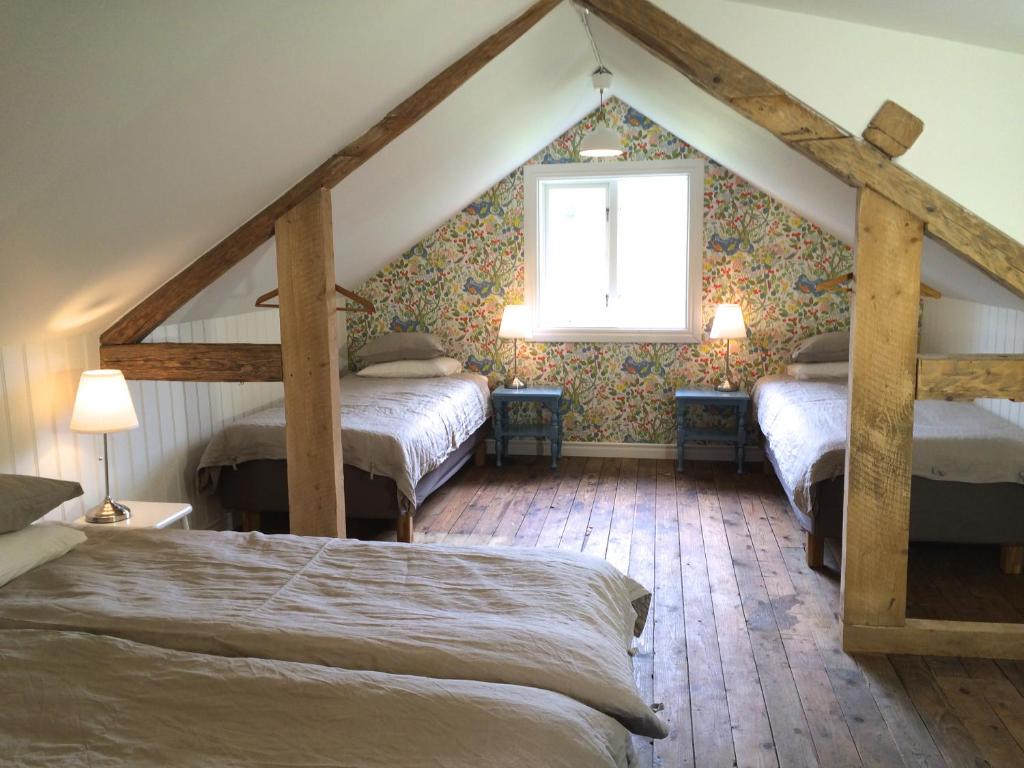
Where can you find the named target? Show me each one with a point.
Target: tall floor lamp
(103, 404)
(516, 323)
(728, 324)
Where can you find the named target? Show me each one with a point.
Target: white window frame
(590, 174)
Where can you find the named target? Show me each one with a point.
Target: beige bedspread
(804, 423)
(82, 700)
(546, 619)
(398, 428)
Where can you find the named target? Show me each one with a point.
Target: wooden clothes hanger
(834, 283)
(361, 305)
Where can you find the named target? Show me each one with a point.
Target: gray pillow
(24, 499)
(824, 348)
(401, 346)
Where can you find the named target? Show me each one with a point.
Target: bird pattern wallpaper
(757, 253)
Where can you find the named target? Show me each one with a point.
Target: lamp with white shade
(516, 323)
(103, 404)
(728, 324)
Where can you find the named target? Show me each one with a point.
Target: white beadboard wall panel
(950, 326)
(176, 419)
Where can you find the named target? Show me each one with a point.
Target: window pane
(650, 267)
(575, 278)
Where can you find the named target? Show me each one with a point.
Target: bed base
(257, 487)
(936, 514)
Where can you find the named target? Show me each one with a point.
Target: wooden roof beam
(893, 129)
(155, 309)
(850, 158)
(966, 377)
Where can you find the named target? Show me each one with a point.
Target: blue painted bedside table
(739, 401)
(546, 397)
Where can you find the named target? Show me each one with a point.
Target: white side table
(147, 514)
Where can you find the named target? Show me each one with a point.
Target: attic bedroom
(510, 382)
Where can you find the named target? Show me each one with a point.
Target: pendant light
(602, 141)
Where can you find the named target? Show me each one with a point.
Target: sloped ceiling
(134, 138)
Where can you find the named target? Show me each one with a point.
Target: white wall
(950, 326)
(155, 462)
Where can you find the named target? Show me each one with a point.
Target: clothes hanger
(361, 305)
(834, 283)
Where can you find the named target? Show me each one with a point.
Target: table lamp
(728, 324)
(103, 404)
(516, 323)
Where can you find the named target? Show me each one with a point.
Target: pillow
(24, 499)
(810, 371)
(401, 346)
(824, 348)
(412, 369)
(23, 550)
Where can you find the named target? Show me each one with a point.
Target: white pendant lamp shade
(728, 322)
(601, 142)
(103, 403)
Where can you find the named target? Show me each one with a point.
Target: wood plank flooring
(741, 652)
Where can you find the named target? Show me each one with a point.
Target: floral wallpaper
(758, 253)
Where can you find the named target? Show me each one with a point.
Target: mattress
(558, 621)
(396, 428)
(805, 426)
(83, 700)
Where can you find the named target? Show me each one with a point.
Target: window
(613, 250)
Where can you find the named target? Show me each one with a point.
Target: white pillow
(810, 371)
(413, 369)
(33, 545)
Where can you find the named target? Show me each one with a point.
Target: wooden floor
(742, 653)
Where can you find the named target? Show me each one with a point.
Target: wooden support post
(309, 354)
(883, 356)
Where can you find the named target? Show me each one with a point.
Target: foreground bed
(402, 439)
(968, 464)
(550, 620)
(83, 700)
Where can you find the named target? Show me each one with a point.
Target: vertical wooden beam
(876, 519)
(309, 354)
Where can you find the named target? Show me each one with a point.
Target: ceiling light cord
(585, 18)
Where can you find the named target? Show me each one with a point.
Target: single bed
(402, 439)
(85, 700)
(557, 621)
(968, 464)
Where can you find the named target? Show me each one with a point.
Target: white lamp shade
(601, 142)
(103, 403)
(728, 322)
(516, 322)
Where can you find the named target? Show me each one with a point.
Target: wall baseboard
(533, 447)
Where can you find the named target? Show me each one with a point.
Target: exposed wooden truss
(155, 309)
(194, 362)
(966, 377)
(893, 129)
(815, 136)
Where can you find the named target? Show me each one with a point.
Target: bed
(77, 699)
(555, 621)
(968, 464)
(402, 439)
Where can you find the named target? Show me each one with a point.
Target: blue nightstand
(738, 401)
(546, 397)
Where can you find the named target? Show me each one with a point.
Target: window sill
(611, 336)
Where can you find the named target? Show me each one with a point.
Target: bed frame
(895, 211)
(937, 513)
(255, 488)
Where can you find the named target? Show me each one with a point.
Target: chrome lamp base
(109, 511)
(727, 386)
(515, 382)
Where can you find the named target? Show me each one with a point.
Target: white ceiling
(990, 23)
(134, 138)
